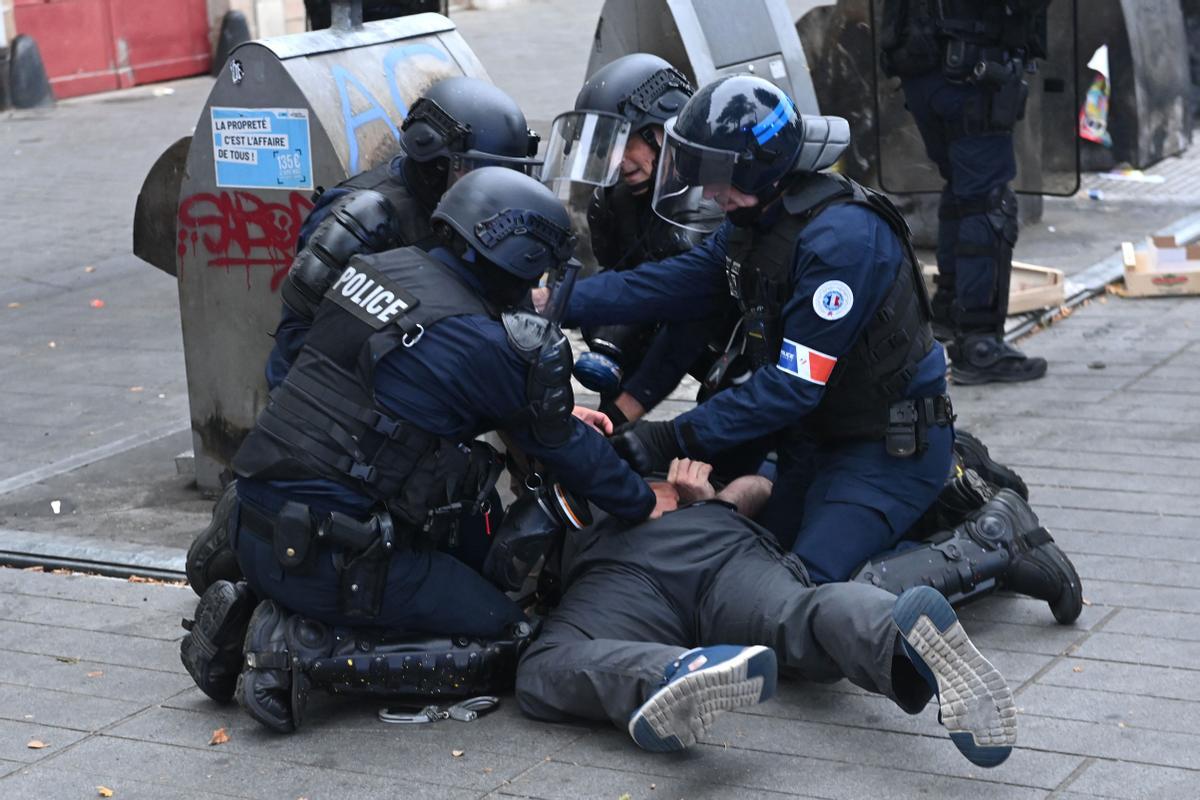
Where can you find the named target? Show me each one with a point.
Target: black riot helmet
(510, 221)
(742, 132)
(460, 124)
(623, 98)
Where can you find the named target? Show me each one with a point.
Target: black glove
(647, 446)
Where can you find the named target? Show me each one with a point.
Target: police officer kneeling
(361, 482)
(849, 384)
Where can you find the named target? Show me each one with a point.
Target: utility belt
(905, 433)
(364, 548)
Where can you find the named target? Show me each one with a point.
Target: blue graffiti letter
(354, 121)
(398, 54)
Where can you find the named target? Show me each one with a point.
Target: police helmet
(510, 220)
(740, 131)
(471, 123)
(623, 98)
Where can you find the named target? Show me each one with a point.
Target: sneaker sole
(976, 704)
(677, 714)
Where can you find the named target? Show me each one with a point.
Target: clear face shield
(585, 147)
(693, 183)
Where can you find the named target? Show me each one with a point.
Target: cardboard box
(1032, 287)
(1162, 268)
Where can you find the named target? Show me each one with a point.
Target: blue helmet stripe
(784, 113)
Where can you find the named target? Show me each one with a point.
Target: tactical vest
(918, 36)
(883, 361)
(323, 420)
(626, 232)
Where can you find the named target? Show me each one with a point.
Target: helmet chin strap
(746, 217)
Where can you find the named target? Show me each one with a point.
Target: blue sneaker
(700, 684)
(598, 373)
(975, 703)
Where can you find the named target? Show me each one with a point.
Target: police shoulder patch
(832, 300)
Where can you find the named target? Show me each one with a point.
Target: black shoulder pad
(526, 332)
(814, 191)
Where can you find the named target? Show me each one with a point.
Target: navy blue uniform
(837, 504)
(460, 381)
(973, 165)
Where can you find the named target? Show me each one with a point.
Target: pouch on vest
(293, 537)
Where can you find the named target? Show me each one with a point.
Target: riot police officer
(849, 382)
(365, 461)
(612, 140)
(457, 125)
(961, 65)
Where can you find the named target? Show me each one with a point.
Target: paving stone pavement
(1109, 707)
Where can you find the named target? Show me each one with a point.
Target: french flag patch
(804, 362)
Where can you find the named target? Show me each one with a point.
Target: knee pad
(367, 663)
(598, 372)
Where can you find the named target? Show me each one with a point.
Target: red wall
(97, 45)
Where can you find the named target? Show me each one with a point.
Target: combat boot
(212, 649)
(210, 558)
(1002, 545)
(987, 358)
(973, 454)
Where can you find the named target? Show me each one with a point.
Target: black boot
(264, 688)
(973, 454)
(987, 358)
(1002, 545)
(210, 558)
(212, 649)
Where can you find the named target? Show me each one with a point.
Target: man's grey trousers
(636, 599)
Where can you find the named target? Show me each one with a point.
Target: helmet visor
(692, 182)
(463, 163)
(585, 147)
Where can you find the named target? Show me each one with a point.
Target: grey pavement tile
(1147, 746)
(1083, 478)
(84, 615)
(1143, 524)
(1018, 610)
(222, 771)
(48, 782)
(15, 737)
(1050, 462)
(1071, 435)
(1155, 382)
(188, 720)
(328, 742)
(1164, 572)
(101, 648)
(1143, 595)
(117, 682)
(77, 710)
(1133, 781)
(1126, 546)
(97, 589)
(1155, 625)
(1126, 679)
(1133, 502)
(606, 764)
(1150, 650)
(1110, 708)
(1045, 638)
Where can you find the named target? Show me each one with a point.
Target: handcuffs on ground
(465, 711)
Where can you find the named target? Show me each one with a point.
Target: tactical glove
(648, 446)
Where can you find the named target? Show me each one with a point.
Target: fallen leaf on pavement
(98, 673)
(1087, 602)
(219, 736)
(89, 269)
(136, 389)
(97, 303)
(1076, 669)
(457, 753)
(104, 791)
(36, 568)
(35, 744)
(14, 305)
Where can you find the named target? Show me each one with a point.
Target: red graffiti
(241, 229)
